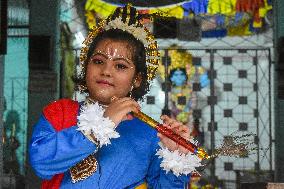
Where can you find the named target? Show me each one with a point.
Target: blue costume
(127, 162)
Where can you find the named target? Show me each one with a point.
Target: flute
(200, 152)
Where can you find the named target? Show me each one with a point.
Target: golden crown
(139, 31)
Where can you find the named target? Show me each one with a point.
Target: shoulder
(60, 105)
(61, 102)
(61, 113)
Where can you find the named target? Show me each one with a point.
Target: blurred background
(231, 53)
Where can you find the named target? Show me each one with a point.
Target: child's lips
(104, 83)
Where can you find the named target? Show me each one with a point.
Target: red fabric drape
(61, 114)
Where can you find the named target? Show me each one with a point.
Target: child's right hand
(119, 108)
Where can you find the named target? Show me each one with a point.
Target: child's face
(110, 71)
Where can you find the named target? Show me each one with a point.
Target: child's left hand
(179, 129)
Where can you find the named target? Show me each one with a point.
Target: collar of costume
(139, 31)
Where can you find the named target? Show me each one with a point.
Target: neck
(89, 100)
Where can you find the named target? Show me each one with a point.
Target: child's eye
(121, 66)
(97, 61)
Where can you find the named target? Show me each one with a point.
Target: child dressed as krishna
(97, 143)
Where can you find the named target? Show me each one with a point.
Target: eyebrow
(116, 58)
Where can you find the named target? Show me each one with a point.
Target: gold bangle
(92, 138)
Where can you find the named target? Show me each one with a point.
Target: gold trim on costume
(142, 186)
(84, 169)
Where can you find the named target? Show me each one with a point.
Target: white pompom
(177, 162)
(92, 121)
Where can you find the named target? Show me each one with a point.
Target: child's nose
(107, 69)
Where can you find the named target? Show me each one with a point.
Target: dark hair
(175, 69)
(138, 56)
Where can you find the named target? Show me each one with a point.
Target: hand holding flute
(172, 133)
(184, 145)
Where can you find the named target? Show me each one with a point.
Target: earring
(132, 87)
(82, 88)
(130, 92)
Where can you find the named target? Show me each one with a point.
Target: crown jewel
(140, 32)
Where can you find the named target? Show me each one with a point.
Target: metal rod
(18, 26)
(3, 26)
(1, 116)
(270, 110)
(166, 110)
(257, 119)
(212, 112)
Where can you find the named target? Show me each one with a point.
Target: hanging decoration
(218, 18)
(148, 3)
(224, 7)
